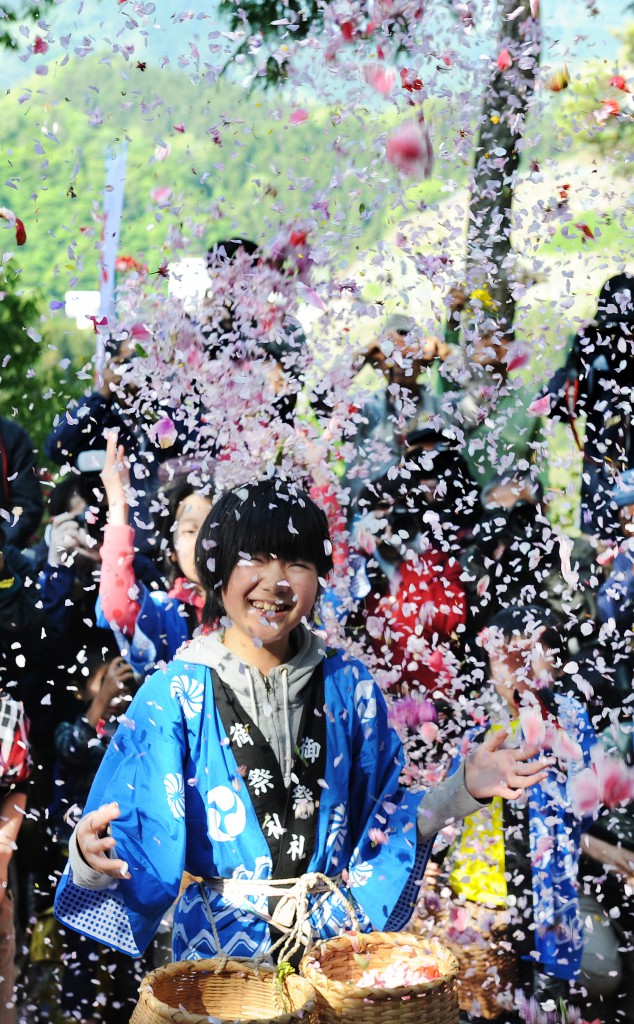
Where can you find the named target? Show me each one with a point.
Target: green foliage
(14, 15)
(580, 113)
(237, 167)
(33, 384)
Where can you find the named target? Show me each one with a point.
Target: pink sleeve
(117, 578)
(324, 495)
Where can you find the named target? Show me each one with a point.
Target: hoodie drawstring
(254, 703)
(288, 753)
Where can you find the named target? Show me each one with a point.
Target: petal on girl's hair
(298, 117)
(380, 77)
(584, 794)
(409, 148)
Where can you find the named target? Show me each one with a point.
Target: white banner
(114, 191)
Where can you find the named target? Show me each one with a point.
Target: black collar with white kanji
(287, 817)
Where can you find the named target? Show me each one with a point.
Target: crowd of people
(416, 539)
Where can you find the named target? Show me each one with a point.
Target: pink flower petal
(584, 794)
(309, 295)
(409, 148)
(504, 60)
(540, 407)
(298, 117)
(533, 725)
(380, 77)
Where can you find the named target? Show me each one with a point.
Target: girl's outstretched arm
(487, 771)
(117, 554)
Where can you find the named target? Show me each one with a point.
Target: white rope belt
(235, 889)
(291, 914)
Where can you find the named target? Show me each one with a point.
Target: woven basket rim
(348, 989)
(217, 965)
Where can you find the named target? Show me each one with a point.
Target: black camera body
(504, 525)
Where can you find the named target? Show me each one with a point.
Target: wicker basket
(333, 969)
(488, 967)
(193, 991)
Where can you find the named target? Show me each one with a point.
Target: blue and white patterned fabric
(161, 628)
(185, 804)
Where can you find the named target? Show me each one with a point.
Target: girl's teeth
(265, 606)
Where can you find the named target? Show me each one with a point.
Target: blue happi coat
(186, 804)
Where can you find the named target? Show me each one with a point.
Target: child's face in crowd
(191, 514)
(266, 598)
(520, 664)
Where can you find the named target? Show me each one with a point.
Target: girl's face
(190, 516)
(266, 598)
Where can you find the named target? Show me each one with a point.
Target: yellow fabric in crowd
(478, 858)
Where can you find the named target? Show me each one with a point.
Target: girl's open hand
(491, 769)
(94, 842)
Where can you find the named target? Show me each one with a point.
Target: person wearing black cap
(596, 382)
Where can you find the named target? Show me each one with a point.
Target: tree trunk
(490, 259)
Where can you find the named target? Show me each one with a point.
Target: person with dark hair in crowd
(98, 985)
(522, 855)
(404, 401)
(616, 594)
(596, 382)
(150, 625)
(409, 604)
(486, 400)
(514, 556)
(21, 502)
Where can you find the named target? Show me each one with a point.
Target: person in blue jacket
(262, 763)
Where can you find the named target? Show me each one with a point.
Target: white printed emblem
(175, 794)
(365, 700)
(226, 815)
(189, 694)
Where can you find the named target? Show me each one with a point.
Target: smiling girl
(261, 762)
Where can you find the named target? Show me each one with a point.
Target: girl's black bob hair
(267, 518)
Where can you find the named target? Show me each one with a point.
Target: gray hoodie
(275, 702)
